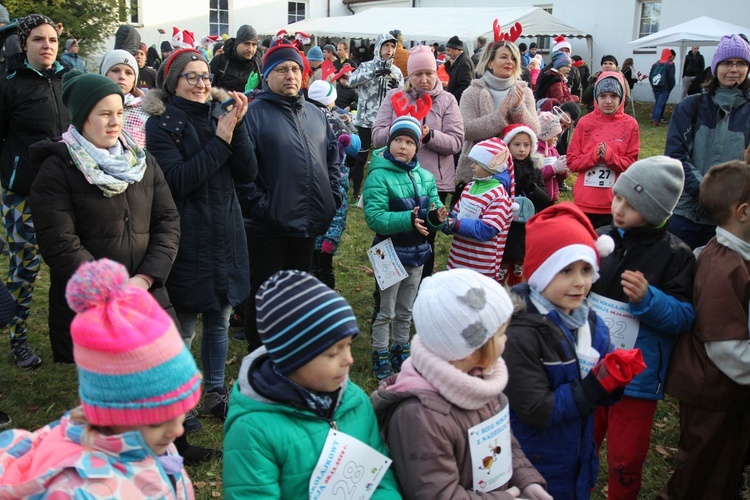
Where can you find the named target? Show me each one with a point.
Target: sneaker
(399, 353)
(381, 364)
(236, 321)
(239, 335)
(518, 270)
(215, 402)
(24, 356)
(191, 423)
(564, 188)
(5, 420)
(502, 273)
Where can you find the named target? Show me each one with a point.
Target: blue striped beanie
(299, 318)
(405, 125)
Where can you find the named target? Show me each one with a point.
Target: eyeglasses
(284, 70)
(192, 78)
(736, 64)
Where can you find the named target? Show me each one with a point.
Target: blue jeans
(214, 342)
(660, 99)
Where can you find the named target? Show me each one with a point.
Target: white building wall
(611, 23)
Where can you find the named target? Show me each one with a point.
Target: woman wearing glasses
(707, 129)
(203, 151)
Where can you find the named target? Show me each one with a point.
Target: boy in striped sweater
(482, 216)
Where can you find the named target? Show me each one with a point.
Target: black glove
(451, 224)
(392, 83)
(382, 72)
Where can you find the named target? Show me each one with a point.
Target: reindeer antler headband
(513, 34)
(418, 111)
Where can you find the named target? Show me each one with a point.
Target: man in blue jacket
(296, 193)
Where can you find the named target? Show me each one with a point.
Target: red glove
(618, 368)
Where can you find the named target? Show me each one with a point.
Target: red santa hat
(561, 43)
(514, 129)
(557, 237)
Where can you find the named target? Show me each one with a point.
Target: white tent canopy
(437, 24)
(700, 31)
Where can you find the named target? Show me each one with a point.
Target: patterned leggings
(24, 259)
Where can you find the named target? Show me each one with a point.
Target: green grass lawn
(37, 397)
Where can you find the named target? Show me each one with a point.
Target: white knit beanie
(322, 92)
(115, 57)
(457, 311)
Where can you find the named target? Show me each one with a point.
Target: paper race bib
(623, 327)
(491, 453)
(469, 210)
(386, 265)
(347, 469)
(599, 177)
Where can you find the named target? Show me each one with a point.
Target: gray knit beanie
(171, 69)
(246, 33)
(4, 15)
(652, 187)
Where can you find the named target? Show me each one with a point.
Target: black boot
(194, 455)
(324, 271)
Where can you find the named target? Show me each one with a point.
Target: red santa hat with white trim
(514, 129)
(561, 43)
(558, 236)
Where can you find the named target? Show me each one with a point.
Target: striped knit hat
(299, 318)
(133, 367)
(492, 154)
(405, 125)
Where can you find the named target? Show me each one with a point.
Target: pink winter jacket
(52, 462)
(551, 179)
(619, 132)
(446, 125)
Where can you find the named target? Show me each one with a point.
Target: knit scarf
(573, 321)
(498, 87)
(408, 166)
(458, 388)
(112, 169)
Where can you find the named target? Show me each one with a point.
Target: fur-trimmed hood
(155, 101)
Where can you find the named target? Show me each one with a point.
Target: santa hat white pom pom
(515, 208)
(605, 245)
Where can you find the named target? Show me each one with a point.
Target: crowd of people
(213, 182)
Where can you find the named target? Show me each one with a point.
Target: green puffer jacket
(271, 449)
(390, 194)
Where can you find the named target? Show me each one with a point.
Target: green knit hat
(82, 91)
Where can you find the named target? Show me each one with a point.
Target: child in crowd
(650, 273)
(605, 143)
(401, 203)
(555, 168)
(527, 166)
(555, 352)
(535, 67)
(137, 380)
(121, 67)
(482, 215)
(297, 384)
(323, 95)
(709, 371)
(452, 382)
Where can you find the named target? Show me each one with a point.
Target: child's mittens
(451, 224)
(327, 247)
(535, 491)
(560, 165)
(618, 368)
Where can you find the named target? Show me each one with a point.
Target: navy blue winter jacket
(550, 415)
(297, 189)
(200, 169)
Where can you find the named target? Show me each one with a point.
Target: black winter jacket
(232, 71)
(75, 223)
(31, 110)
(201, 169)
(461, 73)
(297, 190)
(529, 183)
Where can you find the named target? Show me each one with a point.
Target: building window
(129, 11)
(218, 17)
(650, 14)
(296, 12)
(543, 42)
